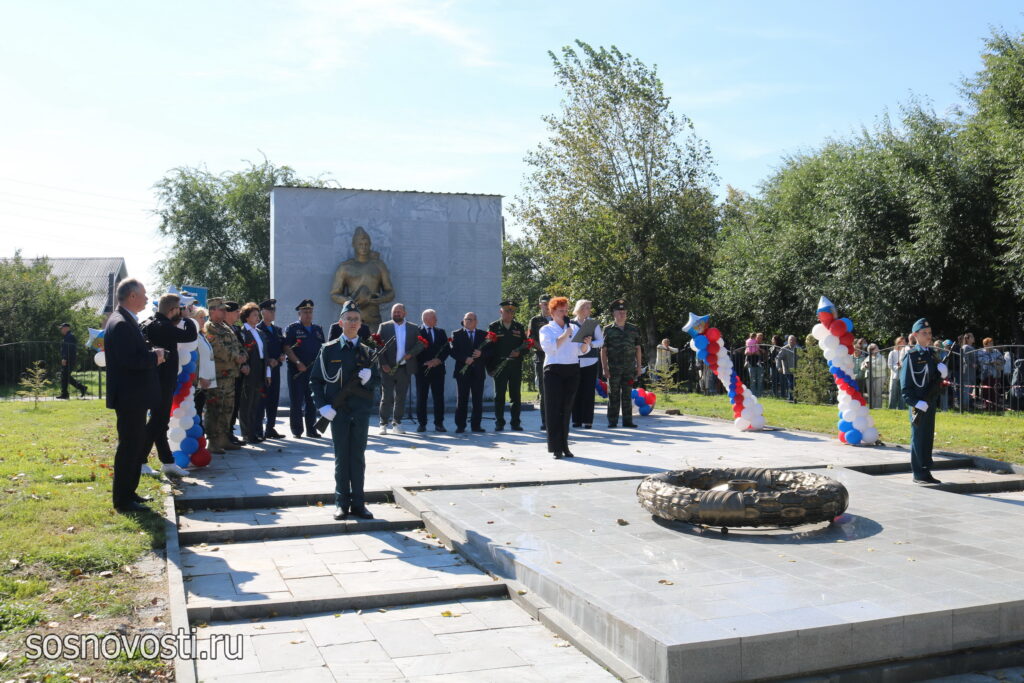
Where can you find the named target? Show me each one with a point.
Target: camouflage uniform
(620, 345)
(221, 401)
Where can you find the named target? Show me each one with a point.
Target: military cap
(215, 303)
(617, 305)
(231, 306)
(268, 305)
(920, 325)
(64, 325)
(544, 298)
(348, 307)
(305, 303)
(509, 302)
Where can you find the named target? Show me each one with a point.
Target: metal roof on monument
(367, 189)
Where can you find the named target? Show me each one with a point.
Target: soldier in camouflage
(620, 361)
(227, 356)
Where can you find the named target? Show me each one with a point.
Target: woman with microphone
(561, 374)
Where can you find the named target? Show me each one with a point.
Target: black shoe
(499, 428)
(297, 436)
(131, 507)
(543, 428)
(142, 499)
(421, 428)
(631, 425)
(272, 434)
(361, 513)
(588, 426)
(460, 430)
(340, 513)
(933, 480)
(235, 440)
(517, 428)
(82, 392)
(613, 425)
(63, 397)
(479, 429)
(439, 428)
(557, 455)
(567, 454)
(577, 425)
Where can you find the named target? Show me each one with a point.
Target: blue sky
(102, 98)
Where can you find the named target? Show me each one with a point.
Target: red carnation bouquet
(491, 338)
(523, 349)
(436, 355)
(421, 343)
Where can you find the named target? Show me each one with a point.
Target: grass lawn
(993, 436)
(65, 555)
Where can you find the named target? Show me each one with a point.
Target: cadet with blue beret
(921, 378)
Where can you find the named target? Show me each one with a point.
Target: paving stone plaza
(490, 561)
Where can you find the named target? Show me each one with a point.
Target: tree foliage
(33, 302)
(617, 200)
(219, 227)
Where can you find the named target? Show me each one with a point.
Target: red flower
(492, 337)
(377, 339)
(629, 382)
(528, 344)
(423, 340)
(450, 340)
(298, 343)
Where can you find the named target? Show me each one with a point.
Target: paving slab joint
(184, 669)
(271, 531)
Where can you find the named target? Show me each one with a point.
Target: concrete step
(941, 462)
(341, 571)
(967, 480)
(270, 500)
(218, 526)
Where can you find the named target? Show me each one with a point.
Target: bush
(814, 383)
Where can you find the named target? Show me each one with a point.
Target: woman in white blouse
(561, 374)
(583, 406)
(206, 371)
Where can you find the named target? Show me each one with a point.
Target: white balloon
(830, 342)
(742, 423)
(722, 353)
(100, 359)
(869, 435)
(758, 409)
(693, 346)
(860, 423)
(819, 331)
(175, 433)
(757, 422)
(188, 348)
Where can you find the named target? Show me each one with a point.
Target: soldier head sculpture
(365, 279)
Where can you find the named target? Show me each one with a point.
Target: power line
(46, 200)
(81, 211)
(69, 223)
(68, 189)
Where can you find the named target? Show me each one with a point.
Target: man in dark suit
(430, 371)
(467, 350)
(68, 356)
(397, 366)
(132, 389)
(273, 336)
(162, 331)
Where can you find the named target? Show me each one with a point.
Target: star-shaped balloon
(696, 324)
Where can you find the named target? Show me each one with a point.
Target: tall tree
(33, 302)
(618, 199)
(219, 227)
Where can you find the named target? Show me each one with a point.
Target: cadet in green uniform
(921, 378)
(536, 322)
(620, 361)
(511, 337)
(337, 363)
(227, 357)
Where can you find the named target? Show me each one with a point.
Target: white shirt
(259, 343)
(399, 340)
(567, 354)
(595, 343)
(207, 369)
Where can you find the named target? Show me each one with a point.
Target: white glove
(922, 406)
(943, 370)
(328, 412)
(364, 375)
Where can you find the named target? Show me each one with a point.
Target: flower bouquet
(421, 343)
(523, 348)
(489, 339)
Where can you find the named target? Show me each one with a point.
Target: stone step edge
(262, 609)
(940, 463)
(277, 531)
(532, 604)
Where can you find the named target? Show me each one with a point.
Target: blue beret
(920, 325)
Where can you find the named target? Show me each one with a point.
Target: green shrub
(813, 381)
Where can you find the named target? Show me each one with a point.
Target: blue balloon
(195, 431)
(700, 341)
(732, 394)
(646, 409)
(634, 393)
(189, 368)
(181, 459)
(843, 425)
(853, 437)
(189, 445)
(196, 420)
(195, 356)
(848, 323)
(702, 354)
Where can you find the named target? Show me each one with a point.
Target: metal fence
(16, 359)
(984, 380)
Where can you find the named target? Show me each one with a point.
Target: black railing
(18, 358)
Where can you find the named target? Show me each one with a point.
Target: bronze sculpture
(364, 279)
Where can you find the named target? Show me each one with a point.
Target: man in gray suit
(397, 365)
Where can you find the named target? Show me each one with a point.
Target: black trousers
(200, 398)
(348, 432)
(66, 378)
(583, 406)
(470, 383)
(250, 404)
(131, 444)
(560, 384)
(156, 428)
(273, 397)
(511, 381)
(538, 374)
(432, 383)
(302, 407)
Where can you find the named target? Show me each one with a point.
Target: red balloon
(650, 398)
(847, 338)
(201, 458)
(826, 318)
(842, 437)
(641, 392)
(713, 348)
(202, 442)
(713, 334)
(838, 328)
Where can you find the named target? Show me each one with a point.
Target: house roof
(363, 189)
(89, 273)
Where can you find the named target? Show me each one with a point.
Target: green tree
(33, 302)
(219, 227)
(813, 382)
(618, 200)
